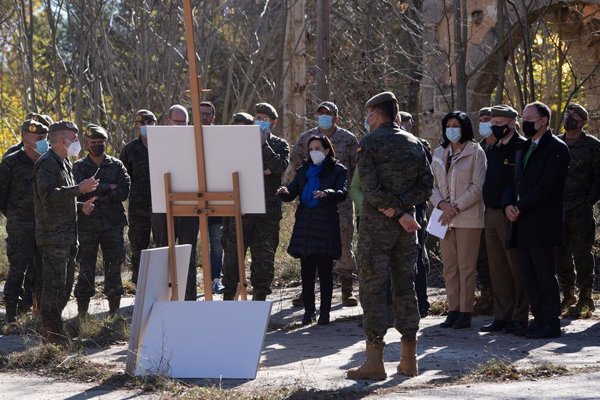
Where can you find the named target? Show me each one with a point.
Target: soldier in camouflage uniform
(135, 159)
(261, 231)
(16, 203)
(395, 176)
(55, 202)
(43, 119)
(104, 226)
(582, 191)
(345, 144)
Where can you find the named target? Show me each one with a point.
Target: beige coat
(462, 185)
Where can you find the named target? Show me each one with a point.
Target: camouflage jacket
(135, 158)
(109, 212)
(583, 179)
(344, 143)
(394, 171)
(55, 201)
(16, 190)
(275, 157)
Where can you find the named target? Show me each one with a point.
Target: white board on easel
(227, 149)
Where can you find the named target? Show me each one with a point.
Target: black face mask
(529, 128)
(98, 149)
(500, 131)
(570, 123)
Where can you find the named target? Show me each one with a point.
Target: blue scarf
(312, 183)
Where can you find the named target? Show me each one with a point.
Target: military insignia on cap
(32, 128)
(69, 125)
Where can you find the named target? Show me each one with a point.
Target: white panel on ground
(154, 285)
(204, 339)
(227, 149)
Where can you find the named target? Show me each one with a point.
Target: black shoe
(496, 326)
(309, 318)
(450, 319)
(517, 328)
(546, 331)
(463, 321)
(424, 309)
(323, 320)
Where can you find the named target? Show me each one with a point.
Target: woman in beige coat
(459, 172)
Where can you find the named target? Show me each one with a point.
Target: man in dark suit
(534, 203)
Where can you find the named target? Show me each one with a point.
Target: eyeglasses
(207, 114)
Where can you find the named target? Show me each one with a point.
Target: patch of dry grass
(498, 370)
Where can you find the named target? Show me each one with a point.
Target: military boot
(82, 307)
(485, 304)
(114, 302)
(11, 312)
(585, 300)
(569, 298)
(348, 298)
(373, 367)
(408, 360)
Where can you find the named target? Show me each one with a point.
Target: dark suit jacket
(540, 188)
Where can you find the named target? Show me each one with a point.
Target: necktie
(528, 154)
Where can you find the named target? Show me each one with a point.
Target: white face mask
(74, 149)
(317, 157)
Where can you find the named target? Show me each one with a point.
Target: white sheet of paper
(227, 149)
(434, 227)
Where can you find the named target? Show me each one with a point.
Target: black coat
(540, 193)
(317, 230)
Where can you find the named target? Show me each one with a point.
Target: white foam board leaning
(205, 339)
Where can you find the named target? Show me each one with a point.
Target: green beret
(95, 132)
(33, 126)
(579, 110)
(144, 116)
(266, 108)
(382, 97)
(502, 110)
(41, 118)
(331, 107)
(242, 117)
(404, 116)
(63, 126)
(485, 111)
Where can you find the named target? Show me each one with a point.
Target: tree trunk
(323, 91)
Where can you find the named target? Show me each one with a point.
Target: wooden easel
(198, 204)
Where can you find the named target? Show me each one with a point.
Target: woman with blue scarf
(321, 185)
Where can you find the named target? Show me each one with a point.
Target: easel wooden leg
(239, 234)
(171, 239)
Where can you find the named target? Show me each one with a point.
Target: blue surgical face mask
(41, 147)
(144, 131)
(265, 126)
(325, 121)
(453, 134)
(485, 129)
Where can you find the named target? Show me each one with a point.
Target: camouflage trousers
(58, 275)
(574, 260)
(112, 244)
(346, 265)
(24, 258)
(386, 251)
(140, 227)
(261, 235)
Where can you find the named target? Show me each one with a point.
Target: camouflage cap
(380, 98)
(63, 126)
(266, 108)
(33, 126)
(95, 132)
(485, 111)
(144, 116)
(579, 110)
(404, 116)
(41, 118)
(242, 117)
(330, 106)
(502, 110)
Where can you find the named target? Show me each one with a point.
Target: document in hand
(434, 226)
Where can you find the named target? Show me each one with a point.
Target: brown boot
(408, 361)
(114, 303)
(569, 298)
(82, 307)
(298, 301)
(348, 298)
(585, 300)
(373, 367)
(485, 304)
